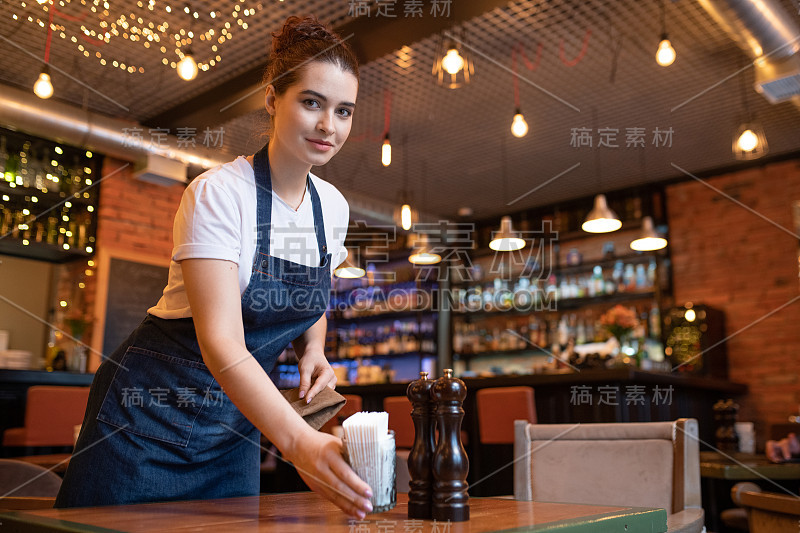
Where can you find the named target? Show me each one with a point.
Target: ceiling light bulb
(386, 152)
(452, 62)
(405, 217)
(506, 240)
(649, 240)
(747, 141)
(187, 67)
(43, 88)
(601, 218)
(519, 128)
(665, 55)
(422, 256)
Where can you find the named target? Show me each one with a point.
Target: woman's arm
(212, 287)
(312, 363)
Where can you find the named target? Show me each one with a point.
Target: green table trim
(14, 521)
(635, 520)
(748, 467)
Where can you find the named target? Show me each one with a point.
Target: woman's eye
(345, 112)
(311, 103)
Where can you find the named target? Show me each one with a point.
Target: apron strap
(264, 205)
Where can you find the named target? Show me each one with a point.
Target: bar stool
(350, 408)
(497, 408)
(51, 414)
(399, 409)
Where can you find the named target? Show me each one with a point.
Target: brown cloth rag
(322, 408)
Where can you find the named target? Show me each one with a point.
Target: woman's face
(312, 119)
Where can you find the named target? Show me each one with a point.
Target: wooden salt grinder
(450, 462)
(420, 494)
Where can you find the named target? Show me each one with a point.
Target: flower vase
(627, 354)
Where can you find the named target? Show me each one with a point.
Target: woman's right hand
(318, 459)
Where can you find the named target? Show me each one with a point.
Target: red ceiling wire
(49, 32)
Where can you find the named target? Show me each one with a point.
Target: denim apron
(158, 427)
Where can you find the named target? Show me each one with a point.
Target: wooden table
(304, 512)
(719, 474)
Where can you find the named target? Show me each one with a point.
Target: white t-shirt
(217, 219)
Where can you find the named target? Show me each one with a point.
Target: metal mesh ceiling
(453, 148)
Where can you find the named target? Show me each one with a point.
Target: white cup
(747, 437)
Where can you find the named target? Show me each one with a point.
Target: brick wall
(739, 261)
(136, 216)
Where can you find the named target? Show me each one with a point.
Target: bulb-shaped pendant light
(187, 67)
(519, 128)
(43, 88)
(422, 255)
(506, 240)
(665, 55)
(749, 141)
(649, 240)
(452, 62)
(405, 217)
(386, 151)
(601, 218)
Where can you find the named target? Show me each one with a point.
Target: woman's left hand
(315, 373)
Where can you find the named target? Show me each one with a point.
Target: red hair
(300, 41)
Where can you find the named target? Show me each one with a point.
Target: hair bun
(296, 30)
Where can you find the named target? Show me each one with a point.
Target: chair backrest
(499, 407)
(650, 464)
(18, 478)
(351, 407)
(51, 414)
(400, 421)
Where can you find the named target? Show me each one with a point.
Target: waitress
(176, 412)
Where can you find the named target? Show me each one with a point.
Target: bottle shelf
(397, 355)
(465, 356)
(393, 315)
(41, 250)
(566, 304)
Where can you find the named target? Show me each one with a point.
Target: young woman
(255, 243)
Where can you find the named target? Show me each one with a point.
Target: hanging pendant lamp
(421, 254)
(506, 240)
(649, 240)
(601, 218)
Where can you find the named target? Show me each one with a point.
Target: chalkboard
(133, 288)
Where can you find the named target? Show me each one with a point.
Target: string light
(108, 27)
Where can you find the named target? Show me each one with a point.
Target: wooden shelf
(567, 304)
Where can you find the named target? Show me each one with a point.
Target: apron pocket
(159, 396)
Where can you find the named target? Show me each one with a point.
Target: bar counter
(614, 395)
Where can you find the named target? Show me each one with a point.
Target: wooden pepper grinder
(450, 462)
(420, 494)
